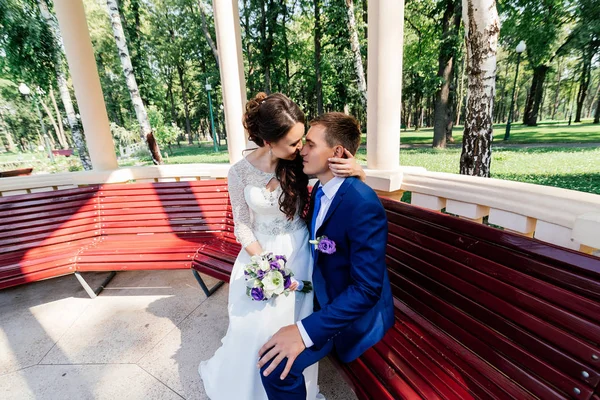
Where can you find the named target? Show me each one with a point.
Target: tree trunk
(461, 96)
(140, 110)
(286, 45)
(592, 100)
(443, 100)
(318, 78)
(534, 98)
(65, 95)
(267, 41)
(355, 45)
(207, 35)
(12, 147)
(557, 90)
(584, 82)
(482, 27)
(247, 37)
(186, 106)
(597, 115)
(63, 138)
(59, 137)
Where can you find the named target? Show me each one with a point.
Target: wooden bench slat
(141, 230)
(443, 384)
(35, 276)
(66, 234)
(58, 196)
(373, 385)
(37, 218)
(49, 230)
(462, 354)
(133, 266)
(47, 242)
(506, 276)
(440, 313)
(582, 276)
(529, 344)
(541, 328)
(392, 369)
(536, 250)
(454, 366)
(469, 281)
(208, 221)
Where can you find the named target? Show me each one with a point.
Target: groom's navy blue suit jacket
(352, 288)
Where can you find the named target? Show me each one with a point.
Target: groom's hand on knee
(286, 343)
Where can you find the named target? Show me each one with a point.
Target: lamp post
(520, 49)
(25, 91)
(212, 120)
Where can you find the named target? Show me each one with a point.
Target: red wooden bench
(16, 172)
(480, 313)
(63, 152)
(139, 226)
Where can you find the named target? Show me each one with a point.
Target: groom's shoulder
(364, 192)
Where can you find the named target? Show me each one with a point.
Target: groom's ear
(338, 152)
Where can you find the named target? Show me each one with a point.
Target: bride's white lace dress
(231, 374)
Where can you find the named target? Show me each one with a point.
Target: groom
(353, 300)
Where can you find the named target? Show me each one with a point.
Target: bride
(269, 195)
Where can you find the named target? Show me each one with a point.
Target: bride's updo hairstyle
(269, 119)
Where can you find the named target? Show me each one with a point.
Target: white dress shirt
(329, 191)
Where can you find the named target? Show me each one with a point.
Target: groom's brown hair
(340, 129)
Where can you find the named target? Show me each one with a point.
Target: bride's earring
(270, 151)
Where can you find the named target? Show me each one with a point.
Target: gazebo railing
(562, 217)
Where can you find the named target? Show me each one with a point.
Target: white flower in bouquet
(264, 265)
(273, 283)
(267, 277)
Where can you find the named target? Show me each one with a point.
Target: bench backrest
(187, 209)
(522, 307)
(38, 230)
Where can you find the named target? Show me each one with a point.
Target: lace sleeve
(241, 212)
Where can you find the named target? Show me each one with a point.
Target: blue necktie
(314, 217)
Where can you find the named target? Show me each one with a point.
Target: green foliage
(123, 136)
(165, 134)
(27, 44)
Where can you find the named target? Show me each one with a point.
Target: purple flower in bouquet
(268, 277)
(275, 265)
(257, 294)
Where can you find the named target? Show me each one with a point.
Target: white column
(82, 66)
(233, 82)
(384, 83)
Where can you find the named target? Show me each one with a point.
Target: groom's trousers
(293, 387)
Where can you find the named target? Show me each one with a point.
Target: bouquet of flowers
(268, 277)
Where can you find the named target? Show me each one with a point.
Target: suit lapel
(337, 199)
(311, 207)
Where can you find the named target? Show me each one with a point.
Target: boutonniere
(323, 244)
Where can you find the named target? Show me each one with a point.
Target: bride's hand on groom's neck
(286, 343)
(346, 166)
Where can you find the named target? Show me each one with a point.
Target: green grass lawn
(545, 132)
(569, 167)
(566, 167)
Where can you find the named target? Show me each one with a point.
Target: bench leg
(205, 288)
(91, 292)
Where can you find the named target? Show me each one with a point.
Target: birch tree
(482, 27)
(140, 111)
